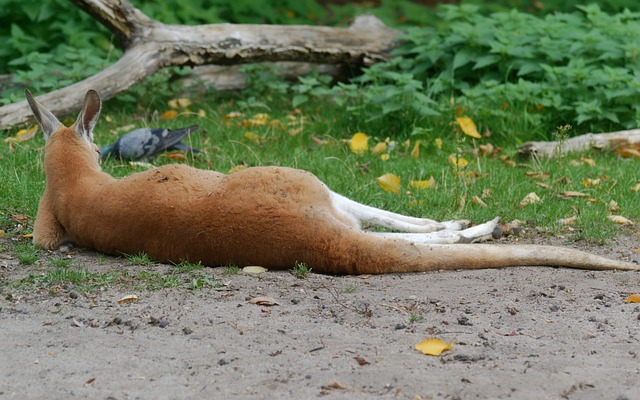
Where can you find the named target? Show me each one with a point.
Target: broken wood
(150, 45)
(599, 141)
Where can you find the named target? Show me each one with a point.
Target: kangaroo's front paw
(49, 241)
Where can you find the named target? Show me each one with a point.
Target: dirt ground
(522, 333)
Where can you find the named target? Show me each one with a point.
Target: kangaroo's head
(78, 138)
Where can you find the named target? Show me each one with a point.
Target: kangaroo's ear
(89, 115)
(48, 122)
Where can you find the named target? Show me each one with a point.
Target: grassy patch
(27, 253)
(230, 270)
(300, 270)
(350, 288)
(140, 258)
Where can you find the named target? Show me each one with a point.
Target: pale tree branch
(598, 141)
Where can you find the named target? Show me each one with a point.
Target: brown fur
(269, 216)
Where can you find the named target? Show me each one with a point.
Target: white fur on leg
(387, 219)
(477, 233)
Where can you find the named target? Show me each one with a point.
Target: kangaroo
(268, 216)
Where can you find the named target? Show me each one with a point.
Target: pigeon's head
(106, 151)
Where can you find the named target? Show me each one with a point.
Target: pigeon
(148, 142)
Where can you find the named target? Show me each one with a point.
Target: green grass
(27, 253)
(230, 270)
(60, 262)
(321, 148)
(301, 270)
(415, 318)
(140, 258)
(185, 267)
(350, 288)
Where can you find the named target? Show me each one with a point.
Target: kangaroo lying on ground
(268, 216)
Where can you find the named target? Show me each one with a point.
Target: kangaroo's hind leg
(390, 220)
(477, 233)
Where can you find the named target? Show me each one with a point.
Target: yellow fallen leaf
(433, 347)
(254, 269)
(359, 143)
(627, 152)
(569, 221)
(478, 201)
(201, 113)
(591, 182)
(2, 233)
(175, 156)
(425, 184)
(635, 187)
(619, 219)
(379, 148)
(571, 193)
(131, 297)
(589, 161)
(141, 164)
(458, 162)
(634, 298)
(531, 198)
(613, 206)
(264, 301)
(234, 115)
(542, 185)
(415, 152)
(182, 102)
(23, 135)
(384, 157)
(538, 175)
(438, 143)
(169, 114)
(468, 127)
(390, 183)
(237, 168)
(253, 137)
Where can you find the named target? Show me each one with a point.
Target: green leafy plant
(140, 258)
(230, 270)
(300, 270)
(350, 288)
(579, 67)
(27, 253)
(186, 267)
(60, 262)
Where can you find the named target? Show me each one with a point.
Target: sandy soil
(522, 333)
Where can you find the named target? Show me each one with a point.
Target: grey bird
(148, 142)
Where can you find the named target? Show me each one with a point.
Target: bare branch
(150, 45)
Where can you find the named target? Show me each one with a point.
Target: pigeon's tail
(174, 136)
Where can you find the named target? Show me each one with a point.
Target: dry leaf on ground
(531, 198)
(468, 127)
(264, 301)
(169, 114)
(619, 219)
(390, 183)
(425, 184)
(634, 298)
(125, 299)
(359, 143)
(433, 347)
(254, 269)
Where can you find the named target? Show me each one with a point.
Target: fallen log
(599, 141)
(150, 45)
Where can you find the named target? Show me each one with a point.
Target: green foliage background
(561, 63)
